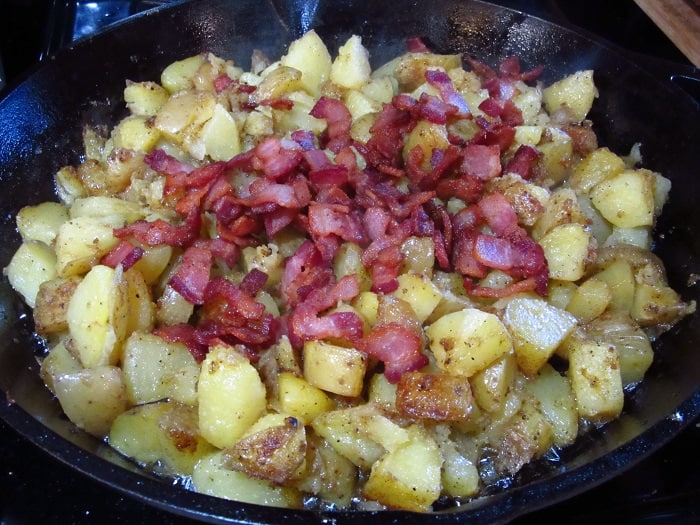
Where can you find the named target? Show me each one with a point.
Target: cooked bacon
(123, 253)
(185, 334)
(303, 272)
(192, 274)
(336, 219)
(338, 119)
(522, 162)
(307, 322)
(222, 82)
(162, 232)
(275, 158)
(398, 347)
(442, 82)
(166, 164)
(253, 282)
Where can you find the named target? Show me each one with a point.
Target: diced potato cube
(351, 68)
(360, 104)
(178, 75)
(439, 397)
(408, 477)
(597, 166)
(562, 208)
(575, 93)
(273, 448)
(658, 304)
(92, 398)
(300, 399)
(141, 308)
(590, 299)
(277, 82)
(135, 133)
(490, 386)
(626, 199)
(467, 341)
(211, 477)
(309, 55)
(98, 315)
(81, 243)
(567, 249)
(50, 310)
(619, 277)
(41, 222)
(537, 329)
(345, 430)
(367, 306)
(58, 362)
(556, 401)
(594, 372)
(527, 435)
(556, 152)
(164, 436)
(155, 370)
(220, 135)
(334, 368)
(631, 342)
(144, 98)
(231, 396)
(31, 265)
(418, 291)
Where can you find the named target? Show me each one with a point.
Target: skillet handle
(686, 77)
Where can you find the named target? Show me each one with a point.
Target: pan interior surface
(40, 131)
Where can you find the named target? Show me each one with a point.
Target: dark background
(35, 488)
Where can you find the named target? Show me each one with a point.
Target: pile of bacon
(326, 196)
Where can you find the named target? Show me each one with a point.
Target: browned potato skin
(440, 397)
(52, 303)
(274, 454)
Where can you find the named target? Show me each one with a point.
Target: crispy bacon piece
(192, 274)
(123, 253)
(159, 231)
(398, 347)
(338, 119)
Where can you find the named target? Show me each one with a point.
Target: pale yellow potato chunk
(309, 55)
(92, 397)
(164, 436)
(574, 93)
(300, 399)
(98, 315)
(420, 292)
(467, 341)
(594, 372)
(144, 98)
(41, 222)
(537, 329)
(155, 370)
(211, 477)
(626, 199)
(334, 368)
(567, 249)
(33, 264)
(351, 68)
(556, 402)
(408, 477)
(231, 396)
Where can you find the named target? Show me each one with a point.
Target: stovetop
(35, 488)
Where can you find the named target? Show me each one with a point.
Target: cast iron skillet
(40, 127)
